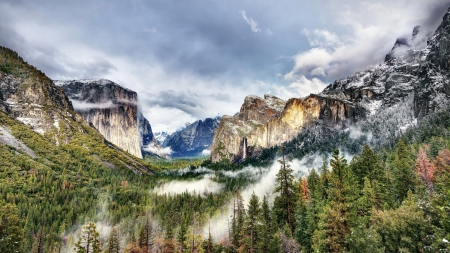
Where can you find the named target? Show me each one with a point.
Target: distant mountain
(193, 140)
(112, 110)
(161, 136)
(375, 104)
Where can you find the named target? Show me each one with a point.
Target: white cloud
(251, 22)
(80, 105)
(300, 87)
(206, 152)
(155, 149)
(365, 32)
(198, 186)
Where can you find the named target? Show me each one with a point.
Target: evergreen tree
(238, 219)
(250, 235)
(368, 165)
(10, 229)
(182, 232)
(402, 173)
(284, 204)
(337, 213)
(113, 241)
(266, 229)
(89, 242)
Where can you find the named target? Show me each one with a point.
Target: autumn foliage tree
(425, 170)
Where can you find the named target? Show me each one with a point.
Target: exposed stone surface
(8, 139)
(145, 130)
(31, 97)
(235, 140)
(229, 136)
(112, 110)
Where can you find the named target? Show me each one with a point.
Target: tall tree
(89, 242)
(337, 225)
(113, 241)
(368, 165)
(284, 204)
(425, 170)
(402, 172)
(10, 229)
(237, 220)
(266, 228)
(252, 221)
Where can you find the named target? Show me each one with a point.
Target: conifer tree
(89, 242)
(266, 228)
(252, 221)
(182, 232)
(238, 218)
(337, 213)
(402, 173)
(284, 204)
(368, 165)
(10, 230)
(114, 241)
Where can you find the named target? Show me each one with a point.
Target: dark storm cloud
(184, 101)
(221, 96)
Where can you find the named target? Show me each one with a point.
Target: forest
(382, 200)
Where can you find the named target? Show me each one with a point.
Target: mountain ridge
(415, 80)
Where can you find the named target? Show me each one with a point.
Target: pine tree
(284, 204)
(402, 173)
(182, 232)
(89, 242)
(114, 241)
(252, 223)
(368, 165)
(337, 225)
(238, 219)
(265, 230)
(10, 229)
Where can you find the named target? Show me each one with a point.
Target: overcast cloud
(194, 59)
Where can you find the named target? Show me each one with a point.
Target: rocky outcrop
(194, 140)
(112, 110)
(31, 97)
(236, 139)
(145, 131)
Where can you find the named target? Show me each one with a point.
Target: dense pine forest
(384, 200)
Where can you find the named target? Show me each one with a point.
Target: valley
(361, 166)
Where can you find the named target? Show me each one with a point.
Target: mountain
(193, 140)
(112, 110)
(160, 137)
(377, 103)
(29, 96)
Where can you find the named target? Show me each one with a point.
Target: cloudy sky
(192, 59)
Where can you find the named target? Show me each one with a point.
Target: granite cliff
(112, 110)
(31, 97)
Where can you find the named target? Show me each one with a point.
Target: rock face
(112, 110)
(145, 131)
(194, 140)
(236, 139)
(410, 84)
(30, 96)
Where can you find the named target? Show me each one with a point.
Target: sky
(193, 59)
